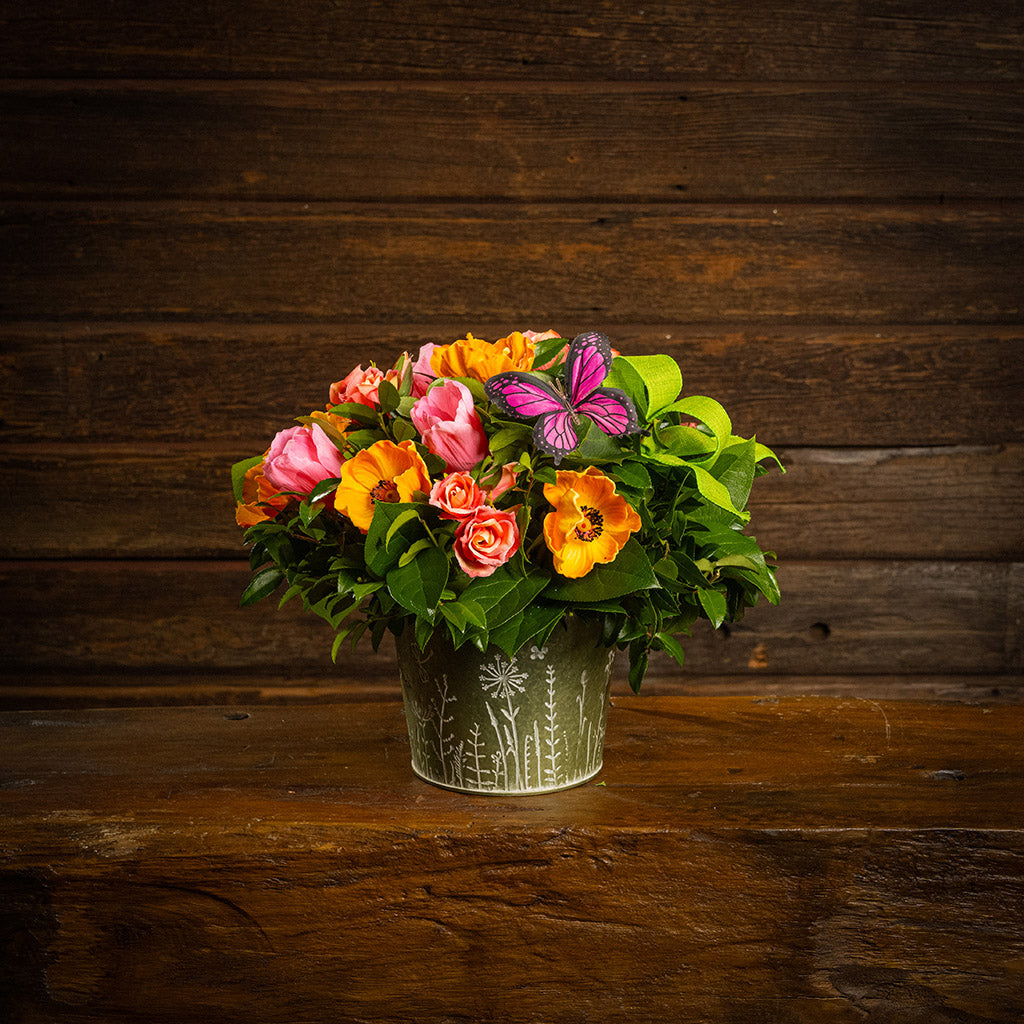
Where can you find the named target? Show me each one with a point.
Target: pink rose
(458, 496)
(359, 386)
(450, 426)
(299, 458)
(422, 374)
(485, 540)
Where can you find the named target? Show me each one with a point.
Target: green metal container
(481, 722)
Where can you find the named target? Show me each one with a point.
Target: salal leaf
(384, 545)
(735, 469)
(714, 604)
(323, 488)
(535, 623)
(262, 585)
(670, 644)
(418, 585)
(630, 572)
(716, 492)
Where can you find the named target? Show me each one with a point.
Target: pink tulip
(450, 426)
(485, 541)
(422, 374)
(299, 458)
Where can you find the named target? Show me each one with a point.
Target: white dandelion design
(502, 681)
(550, 740)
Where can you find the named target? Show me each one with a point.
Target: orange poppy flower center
(386, 490)
(592, 526)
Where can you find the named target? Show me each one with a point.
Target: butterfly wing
(586, 365)
(612, 411)
(522, 395)
(555, 434)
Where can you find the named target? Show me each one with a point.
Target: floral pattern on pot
(482, 722)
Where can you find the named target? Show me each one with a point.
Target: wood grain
(522, 141)
(831, 503)
(790, 385)
(812, 859)
(620, 264)
(837, 618)
(721, 39)
(121, 689)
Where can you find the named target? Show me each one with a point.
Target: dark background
(210, 212)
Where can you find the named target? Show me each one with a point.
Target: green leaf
(414, 549)
(324, 487)
(262, 585)
(625, 376)
(546, 350)
(503, 594)
(238, 471)
(407, 514)
(630, 572)
(686, 442)
(735, 469)
(662, 380)
(385, 546)
(403, 430)
(632, 474)
(638, 658)
(387, 396)
(417, 586)
(356, 411)
(672, 645)
(536, 621)
(716, 492)
(761, 453)
(714, 605)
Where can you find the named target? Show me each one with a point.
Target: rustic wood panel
(721, 39)
(811, 859)
(831, 503)
(524, 141)
(574, 263)
(63, 690)
(837, 618)
(791, 385)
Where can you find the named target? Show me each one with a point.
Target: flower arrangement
(491, 489)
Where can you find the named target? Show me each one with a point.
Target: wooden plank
(68, 691)
(791, 385)
(805, 859)
(836, 618)
(526, 141)
(573, 263)
(831, 503)
(721, 39)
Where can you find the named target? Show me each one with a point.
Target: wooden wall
(209, 212)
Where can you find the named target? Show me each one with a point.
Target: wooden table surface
(736, 860)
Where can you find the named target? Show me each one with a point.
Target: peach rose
(457, 495)
(485, 540)
(360, 386)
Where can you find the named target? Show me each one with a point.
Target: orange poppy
(260, 498)
(479, 359)
(383, 472)
(590, 523)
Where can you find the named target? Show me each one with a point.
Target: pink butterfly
(525, 395)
